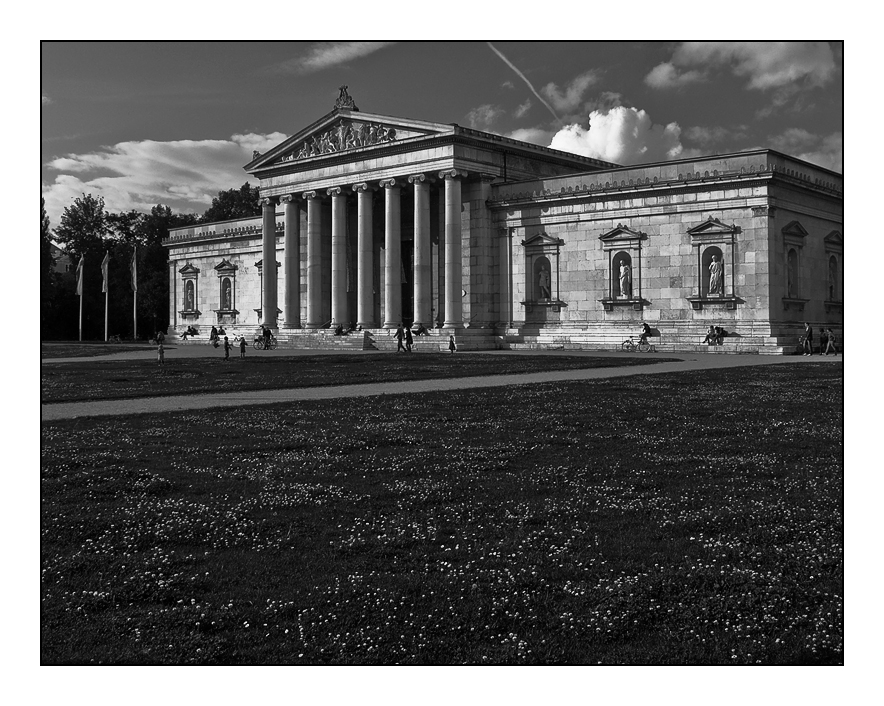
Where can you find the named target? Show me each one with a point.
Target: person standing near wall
(808, 339)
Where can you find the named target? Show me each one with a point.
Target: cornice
(604, 183)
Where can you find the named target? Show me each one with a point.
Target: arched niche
(712, 278)
(622, 279)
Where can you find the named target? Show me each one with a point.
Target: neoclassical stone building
(372, 221)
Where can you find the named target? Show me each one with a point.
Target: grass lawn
(97, 380)
(685, 518)
(87, 349)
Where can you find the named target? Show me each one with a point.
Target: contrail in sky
(522, 76)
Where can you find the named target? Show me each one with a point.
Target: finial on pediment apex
(345, 101)
(255, 154)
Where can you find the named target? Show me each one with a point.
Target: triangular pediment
(344, 131)
(189, 269)
(621, 232)
(795, 229)
(834, 238)
(712, 226)
(542, 239)
(225, 266)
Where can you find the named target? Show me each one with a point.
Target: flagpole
(133, 270)
(106, 295)
(81, 317)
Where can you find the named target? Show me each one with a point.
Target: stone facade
(377, 221)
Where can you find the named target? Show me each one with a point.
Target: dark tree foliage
(84, 225)
(83, 232)
(233, 203)
(49, 279)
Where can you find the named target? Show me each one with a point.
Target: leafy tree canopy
(233, 203)
(83, 226)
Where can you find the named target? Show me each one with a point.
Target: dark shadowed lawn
(87, 349)
(97, 380)
(691, 518)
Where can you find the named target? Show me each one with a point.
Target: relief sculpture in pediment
(344, 136)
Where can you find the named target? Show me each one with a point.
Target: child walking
(452, 346)
(226, 349)
(161, 353)
(242, 347)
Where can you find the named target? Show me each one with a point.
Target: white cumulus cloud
(764, 64)
(483, 117)
(534, 135)
(665, 75)
(621, 135)
(185, 174)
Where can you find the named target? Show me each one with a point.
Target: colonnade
(392, 303)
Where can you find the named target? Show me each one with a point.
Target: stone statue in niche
(790, 278)
(188, 303)
(227, 298)
(625, 280)
(715, 271)
(543, 281)
(831, 280)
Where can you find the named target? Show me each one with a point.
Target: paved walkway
(149, 405)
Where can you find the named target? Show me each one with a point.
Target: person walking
(830, 343)
(161, 352)
(400, 336)
(409, 340)
(808, 339)
(242, 347)
(452, 345)
(226, 348)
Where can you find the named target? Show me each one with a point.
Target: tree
(233, 203)
(83, 226)
(48, 279)
(83, 230)
(153, 265)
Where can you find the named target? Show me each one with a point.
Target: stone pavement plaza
(149, 405)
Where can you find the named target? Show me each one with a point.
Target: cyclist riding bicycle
(646, 331)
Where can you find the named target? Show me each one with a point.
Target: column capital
(421, 178)
(363, 187)
(267, 201)
(289, 198)
(310, 195)
(452, 173)
(334, 191)
(390, 183)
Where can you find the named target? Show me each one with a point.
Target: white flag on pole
(133, 268)
(80, 276)
(104, 271)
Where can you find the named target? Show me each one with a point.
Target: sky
(141, 123)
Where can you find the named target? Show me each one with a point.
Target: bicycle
(114, 339)
(630, 345)
(260, 345)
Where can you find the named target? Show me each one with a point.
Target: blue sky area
(142, 123)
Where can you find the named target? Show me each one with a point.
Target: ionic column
(268, 255)
(393, 254)
(314, 260)
(453, 264)
(422, 280)
(365, 262)
(292, 261)
(339, 257)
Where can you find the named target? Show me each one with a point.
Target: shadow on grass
(103, 380)
(673, 519)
